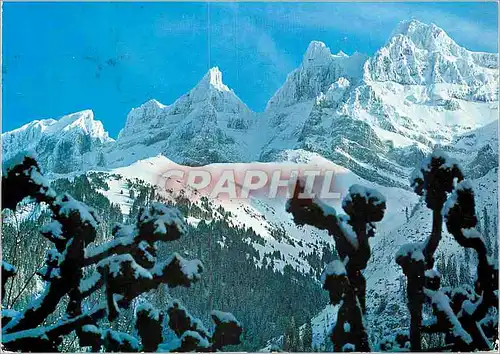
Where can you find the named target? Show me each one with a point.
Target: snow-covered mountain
(376, 115)
(73, 142)
(420, 54)
(203, 126)
(382, 124)
(318, 73)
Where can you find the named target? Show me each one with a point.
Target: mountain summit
(196, 129)
(318, 70)
(211, 90)
(72, 142)
(425, 36)
(209, 95)
(213, 78)
(422, 54)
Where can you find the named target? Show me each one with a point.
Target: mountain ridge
(386, 98)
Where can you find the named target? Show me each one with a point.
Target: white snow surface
(224, 317)
(333, 268)
(264, 214)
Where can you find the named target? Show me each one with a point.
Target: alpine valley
(371, 119)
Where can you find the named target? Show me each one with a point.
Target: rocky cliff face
(318, 73)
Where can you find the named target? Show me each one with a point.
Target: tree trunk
(434, 238)
(415, 291)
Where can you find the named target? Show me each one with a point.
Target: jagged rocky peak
(72, 142)
(211, 94)
(423, 54)
(151, 104)
(318, 71)
(424, 36)
(317, 53)
(69, 126)
(80, 121)
(213, 79)
(433, 38)
(210, 84)
(147, 114)
(208, 97)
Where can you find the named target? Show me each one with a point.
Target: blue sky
(60, 58)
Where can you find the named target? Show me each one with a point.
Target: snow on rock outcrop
(219, 95)
(477, 149)
(73, 142)
(149, 114)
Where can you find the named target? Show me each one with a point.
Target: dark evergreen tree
(486, 230)
(441, 266)
(291, 336)
(307, 337)
(452, 271)
(464, 273)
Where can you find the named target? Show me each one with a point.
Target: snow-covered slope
(73, 142)
(265, 215)
(478, 149)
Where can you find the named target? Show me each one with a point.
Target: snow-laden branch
(124, 268)
(457, 312)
